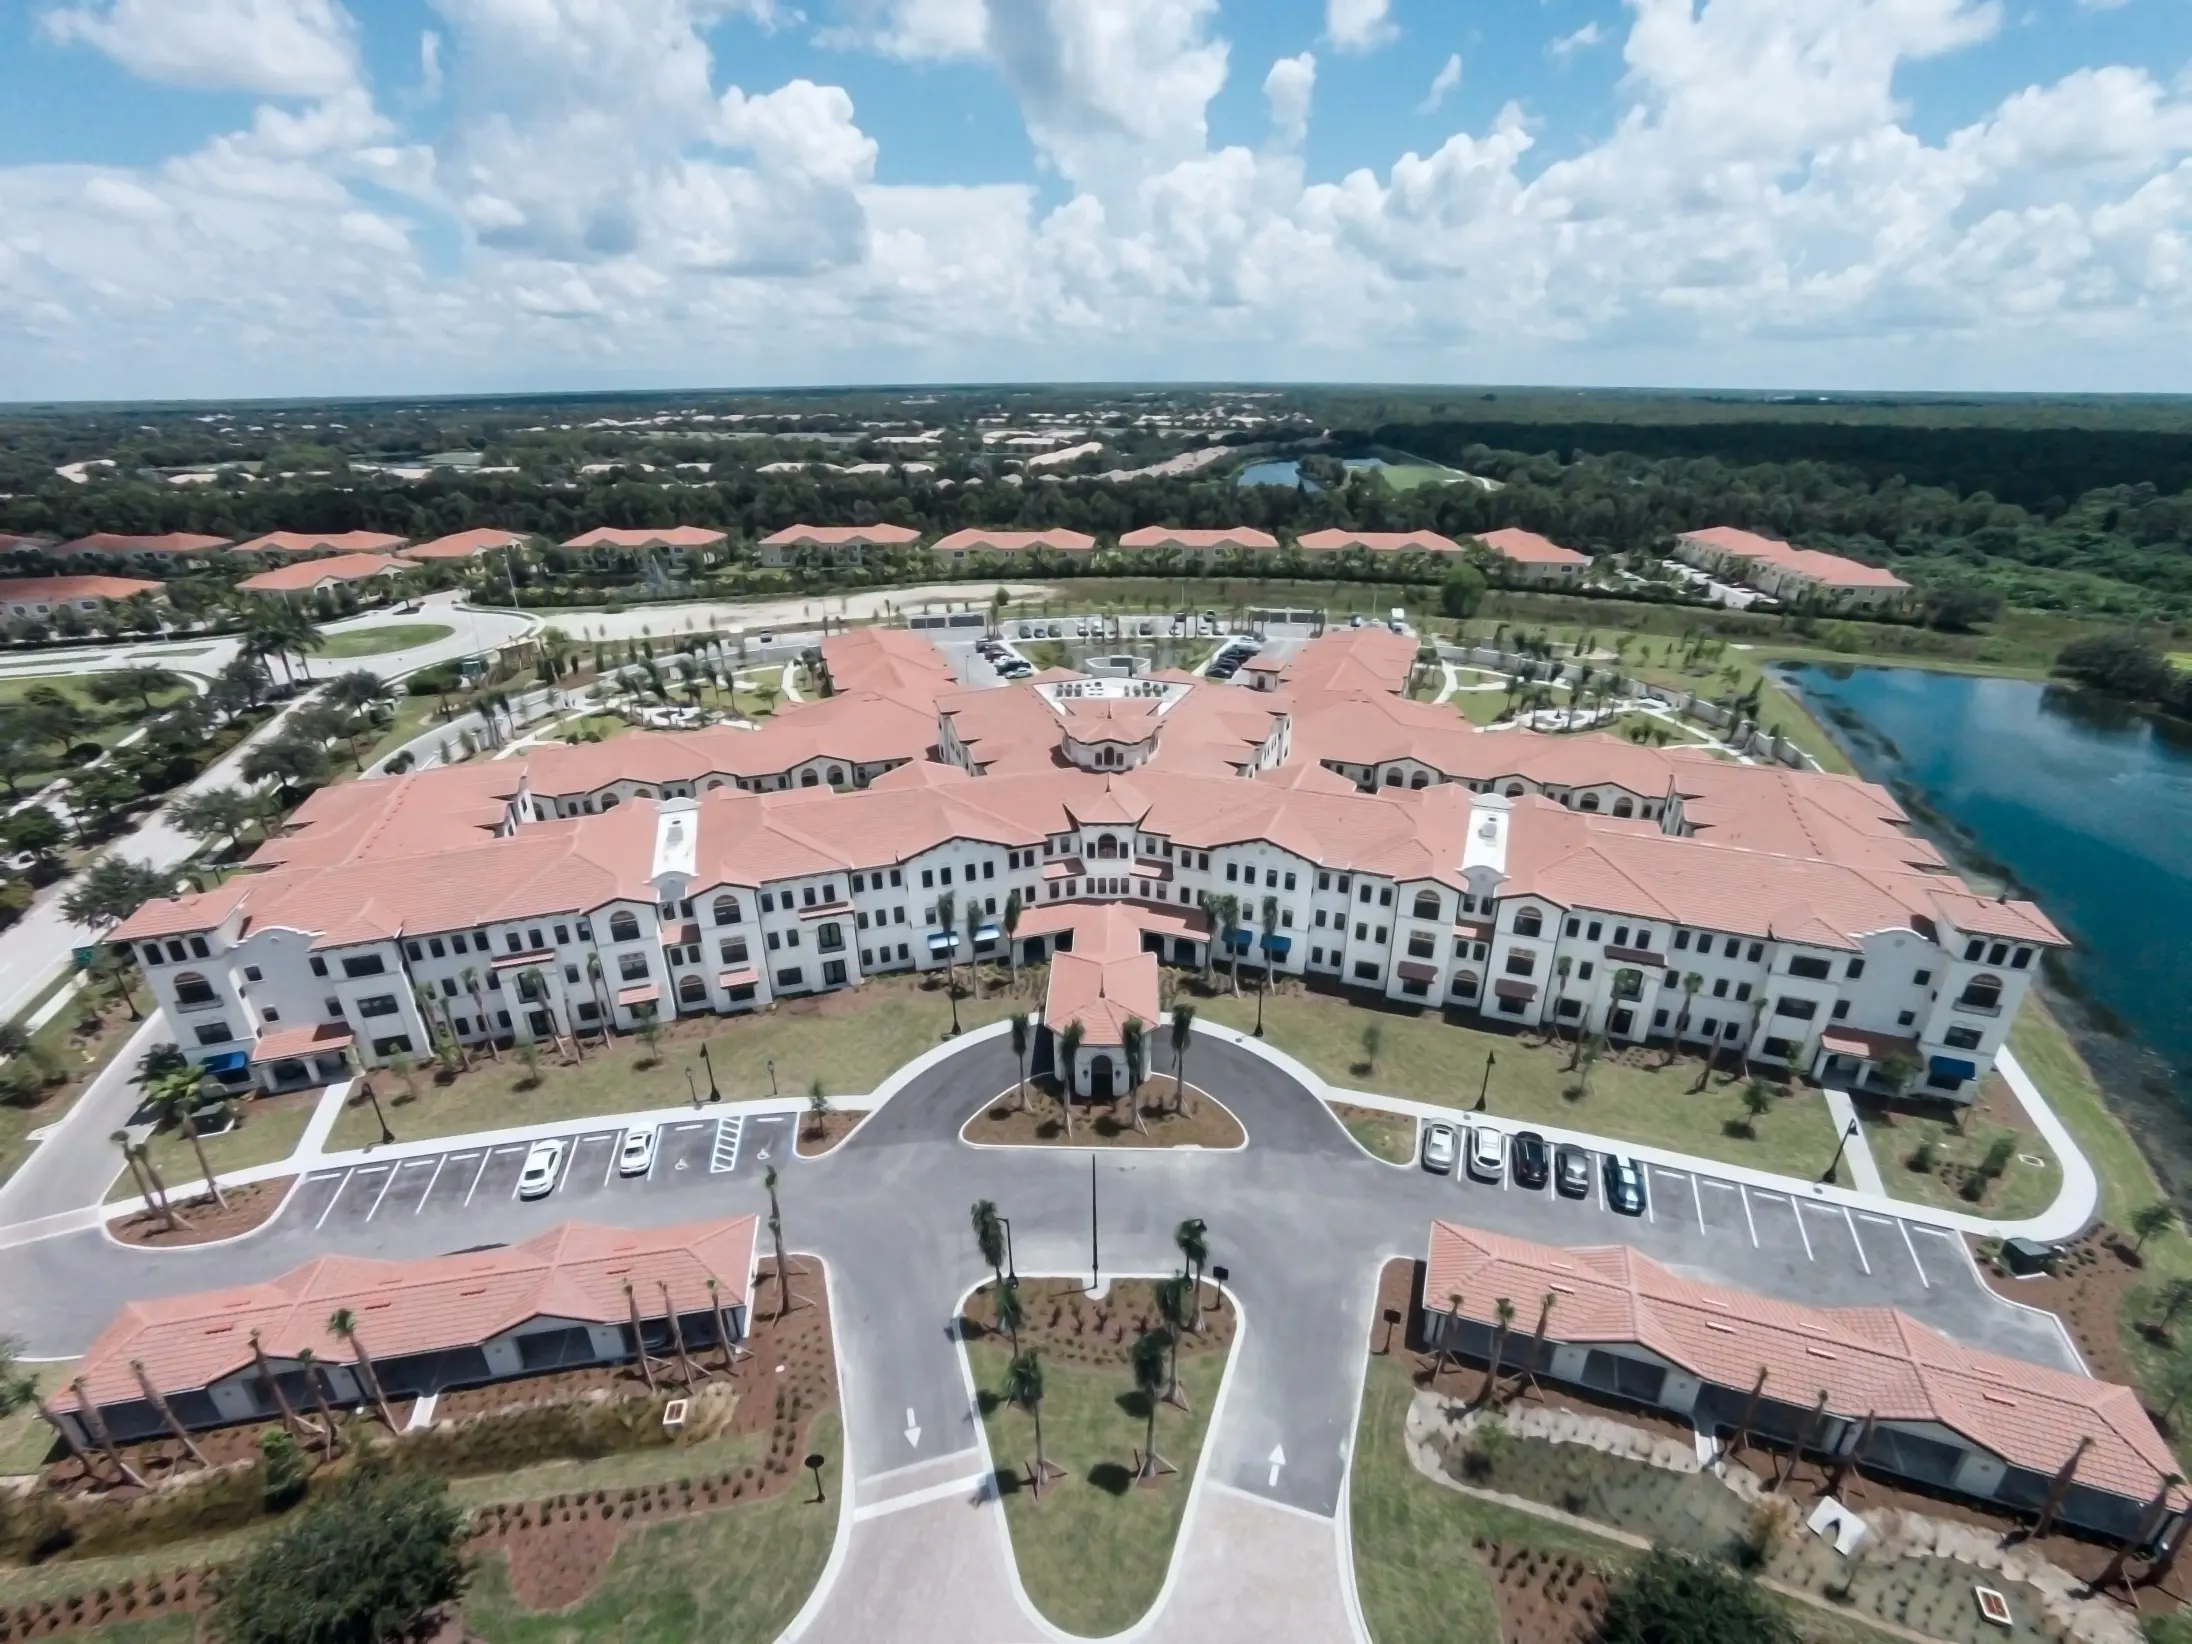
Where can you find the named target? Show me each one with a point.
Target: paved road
(1301, 1220)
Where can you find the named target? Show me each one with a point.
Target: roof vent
(1820, 1353)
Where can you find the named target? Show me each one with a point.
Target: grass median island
(58, 1065)
(266, 1128)
(1979, 1163)
(1201, 1120)
(396, 636)
(850, 1040)
(1629, 1095)
(1093, 1549)
(1389, 1136)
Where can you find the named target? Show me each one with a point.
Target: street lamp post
(1485, 1088)
(373, 1096)
(714, 1095)
(1849, 1134)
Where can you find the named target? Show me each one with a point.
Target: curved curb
(833, 1568)
(1167, 1149)
(1150, 1617)
(127, 1207)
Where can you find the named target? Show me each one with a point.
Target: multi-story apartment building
(1330, 828)
(1781, 571)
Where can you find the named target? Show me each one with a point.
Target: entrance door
(1624, 1018)
(1099, 1079)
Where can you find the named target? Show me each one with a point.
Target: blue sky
(211, 197)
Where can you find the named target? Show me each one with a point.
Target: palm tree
(436, 1016)
(973, 920)
(1270, 922)
(776, 1236)
(1229, 919)
(308, 1365)
(1183, 1029)
(139, 1168)
(1449, 1336)
(1132, 1039)
(1009, 1311)
(471, 982)
(1503, 1311)
(1691, 982)
(1024, 1387)
(1561, 967)
(1209, 904)
(175, 1097)
(989, 1236)
(1069, 1050)
(1009, 923)
(1192, 1239)
(342, 1324)
(1179, 1304)
(1151, 1352)
(947, 909)
(597, 986)
(1020, 1055)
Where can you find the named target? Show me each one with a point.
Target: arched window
(1624, 807)
(1529, 923)
(1514, 790)
(726, 910)
(1588, 802)
(643, 793)
(1981, 993)
(1106, 846)
(1392, 779)
(1427, 905)
(608, 801)
(1422, 779)
(713, 783)
(807, 779)
(623, 926)
(193, 989)
(691, 990)
(1465, 983)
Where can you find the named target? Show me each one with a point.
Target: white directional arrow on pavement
(913, 1429)
(1277, 1458)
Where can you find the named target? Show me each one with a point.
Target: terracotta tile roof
(1169, 536)
(62, 588)
(648, 536)
(1369, 658)
(840, 536)
(887, 662)
(857, 727)
(1334, 540)
(11, 544)
(302, 1041)
(310, 573)
(1528, 548)
(321, 542)
(466, 544)
(975, 539)
(1865, 1359)
(172, 542)
(1830, 570)
(577, 1271)
(1105, 979)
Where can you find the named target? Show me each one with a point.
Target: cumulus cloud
(1358, 25)
(1443, 84)
(272, 48)
(1287, 88)
(637, 204)
(1583, 39)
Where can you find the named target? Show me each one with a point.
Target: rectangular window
(768, 902)
(1758, 952)
(1734, 949)
(1810, 968)
(1856, 969)
(1904, 1018)
(1802, 1010)
(251, 973)
(632, 967)
(1324, 881)
(1289, 881)
(2021, 959)
(413, 951)
(380, 1004)
(1575, 927)
(734, 953)
(928, 878)
(511, 942)
(199, 949)
(1421, 946)
(789, 977)
(1961, 1038)
(214, 1033)
(1681, 940)
(433, 946)
(1720, 987)
(319, 965)
(943, 876)
(1586, 970)
(1742, 991)
(1320, 919)
(1522, 964)
(368, 964)
(396, 1044)
(585, 930)
(334, 1008)
(989, 870)
(448, 987)
(1232, 871)
(1841, 1009)
(1597, 929)
(563, 935)
(1365, 970)
(896, 878)
(833, 973)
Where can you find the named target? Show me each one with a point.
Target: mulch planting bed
(1064, 1322)
(1001, 1123)
(557, 1548)
(818, 1136)
(1545, 1597)
(2093, 1276)
(203, 1221)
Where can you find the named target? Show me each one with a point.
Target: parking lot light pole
(373, 1096)
(1849, 1134)
(714, 1095)
(1485, 1088)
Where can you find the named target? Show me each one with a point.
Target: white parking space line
(476, 1175)
(1914, 1261)
(608, 1165)
(345, 1182)
(383, 1193)
(1697, 1202)
(1854, 1239)
(570, 1158)
(1797, 1211)
(439, 1161)
(1749, 1220)
(325, 1175)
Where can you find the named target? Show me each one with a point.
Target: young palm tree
(1020, 1055)
(1069, 1051)
(989, 1236)
(947, 908)
(1010, 1312)
(170, 1217)
(1132, 1041)
(175, 1100)
(1690, 984)
(1024, 1387)
(1450, 1336)
(597, 986)
(1229, 919)
(1209, 904)
(1561, 967)
(1183, 1029)
(308, 1364)
(1179, 1304)
(439, 1028)
(471, 983)
(1270, 922)
(1192, 1239)
(1150, 1354)
(1009, 923)
(342, 1324)
(153, 1201)
(973, 921)
(1503, 1310)
(776, 1237)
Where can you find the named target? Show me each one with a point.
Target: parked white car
(1438, 1149)
(543, 1164)
(637, 1156)
(1487, 1153)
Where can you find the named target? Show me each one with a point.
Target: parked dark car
(1572, 1171)
(1624, 1186)
(1531, 1159)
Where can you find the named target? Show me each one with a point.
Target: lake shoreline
(2147, 1093)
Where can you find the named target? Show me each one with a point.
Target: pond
(2079, 802)
(1289, 473)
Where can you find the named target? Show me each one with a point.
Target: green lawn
(2021, 1189)
(270, 1129)
(850, 1041)
(1388, 1136)
(397, 636)
(105, 723)
(1432, 1060)
(1094, 1550)
(78, 1055)
(622, 1470)
(24, 1436)
(733, 1576)
(414, 715)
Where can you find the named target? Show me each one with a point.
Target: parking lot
(1787, 1244)
(689, 1155)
